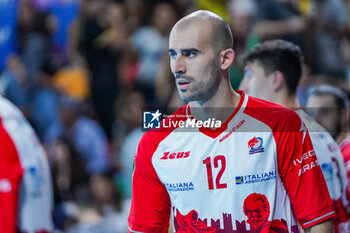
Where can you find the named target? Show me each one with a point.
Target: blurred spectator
(129, 109)
(329, 19)
(37, 49)
(25, 22)
(108, 216)
(345, 52)
(75, 32)
(151, 43)
(39, 63)
(105, 194)
(242, 15)
(44, 101)
(102, 42)
(279, 19)
(10, 81)
(127, 153)
(136, 15)
(86, 134)
(72, 80)
(69, 178)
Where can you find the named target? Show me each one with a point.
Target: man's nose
(179, 66)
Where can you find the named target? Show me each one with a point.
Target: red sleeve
(302, 176)
(298, 167)
(10, 176)
(150, 206)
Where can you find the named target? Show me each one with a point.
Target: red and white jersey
(333, 168)
(345, 150)
(256, 173)
(26, 202)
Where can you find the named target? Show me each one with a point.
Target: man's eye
(190, 53)
(172, 54)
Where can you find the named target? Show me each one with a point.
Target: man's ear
(227, 57)
(278, 80)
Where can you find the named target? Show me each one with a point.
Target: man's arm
(315, 205)
(323, 227)
(150, 204)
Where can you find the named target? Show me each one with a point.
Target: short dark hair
(280, 55)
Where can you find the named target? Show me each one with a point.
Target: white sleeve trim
(134, 231)
(316, 219)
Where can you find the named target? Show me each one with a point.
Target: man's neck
(220, 106)
(285, 99)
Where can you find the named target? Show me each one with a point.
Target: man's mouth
(182, 83)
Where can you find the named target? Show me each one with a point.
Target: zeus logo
(176, 155)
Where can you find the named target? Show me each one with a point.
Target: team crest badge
(255, 145)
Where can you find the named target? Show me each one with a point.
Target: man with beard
(204, 172)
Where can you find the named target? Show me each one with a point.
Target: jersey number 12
(208, 164)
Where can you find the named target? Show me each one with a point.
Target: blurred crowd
(85, 96)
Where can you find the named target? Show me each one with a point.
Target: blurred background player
(26, 198)
(272, 72)
(328, 105)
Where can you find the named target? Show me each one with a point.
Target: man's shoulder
(274, 115)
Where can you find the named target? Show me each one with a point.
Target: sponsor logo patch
(175, 155)
(179, 187)
(255, 178)
(255, 145)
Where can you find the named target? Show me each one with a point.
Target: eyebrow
(185, 50)
(190, 50)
